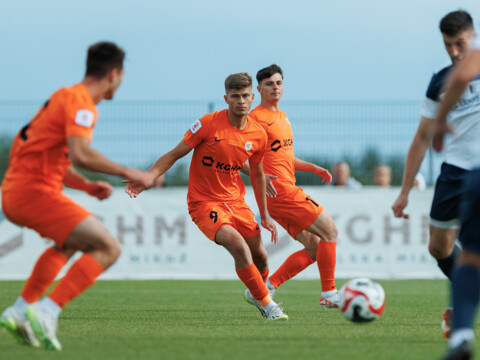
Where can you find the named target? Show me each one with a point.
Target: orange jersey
(220, 152)
(279, 157)
(39, 154)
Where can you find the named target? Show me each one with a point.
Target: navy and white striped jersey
(463, 147)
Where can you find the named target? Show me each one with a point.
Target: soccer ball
(361, 300)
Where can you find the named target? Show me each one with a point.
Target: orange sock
(79, 277)
(44, 273)
(253, 280)
(326, 262)
(264, 275)
(294, 264)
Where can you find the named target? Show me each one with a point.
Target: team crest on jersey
(248, 146)
(84, 118)
(196, 126)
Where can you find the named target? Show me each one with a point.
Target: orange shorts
(50, 213)
(295, 212)
(210, 216)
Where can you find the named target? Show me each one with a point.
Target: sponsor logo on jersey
(277, 144)
(222, 167)
(84, 118)
(195, 126)
(467, 102)
(217, 139)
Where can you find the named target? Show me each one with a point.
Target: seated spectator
(383, 176)
(341, 176)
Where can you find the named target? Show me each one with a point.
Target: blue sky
(183, 50)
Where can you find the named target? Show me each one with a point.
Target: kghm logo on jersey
(220, 167)
(248, 146)
(277, 144)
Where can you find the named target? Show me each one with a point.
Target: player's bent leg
(310, 243)
(326, 257)
(44, 273)
(90, 236)
(257, 293)
(441, 242)
(324, 227)
(259, 254)
(443, 248)
(100, 251)
(465, 300)
(235, 244)
(296, 262)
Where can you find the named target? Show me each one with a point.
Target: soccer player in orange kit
(41, 162)
(298, 213)
(223, 142)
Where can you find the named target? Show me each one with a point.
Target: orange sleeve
(197, 132)
(80, 117)
(257, 157)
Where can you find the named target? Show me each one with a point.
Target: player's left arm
(317, 170)
(468, 69)
(99, 189)
(259, 188)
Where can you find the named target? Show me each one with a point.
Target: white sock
(20, 306)
(270, 285)
(327, 294)
(50, 306)
(459, 336)
(270, 305)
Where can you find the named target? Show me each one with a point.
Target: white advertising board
(160, 241)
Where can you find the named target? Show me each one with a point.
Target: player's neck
(238, 122)
(271, 105)
(96, 88)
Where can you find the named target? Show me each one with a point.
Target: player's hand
(271, 191)
(100, 189)
(270, 226)
(399, 205)
(133, 190)
(440, 130)
(137, 181)
(324, 174)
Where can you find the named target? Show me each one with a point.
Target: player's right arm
(84, 156)
(416, 153)
(164, 163)
(459, 79)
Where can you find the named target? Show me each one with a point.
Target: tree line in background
(362, 168)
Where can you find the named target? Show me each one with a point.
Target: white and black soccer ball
(362, 300)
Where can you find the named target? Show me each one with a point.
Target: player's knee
(438, 250)
(331, 233)
(115, 250)
(111, 249)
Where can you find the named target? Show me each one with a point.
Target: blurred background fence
(363, 133)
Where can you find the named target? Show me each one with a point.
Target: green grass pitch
(210, 320)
